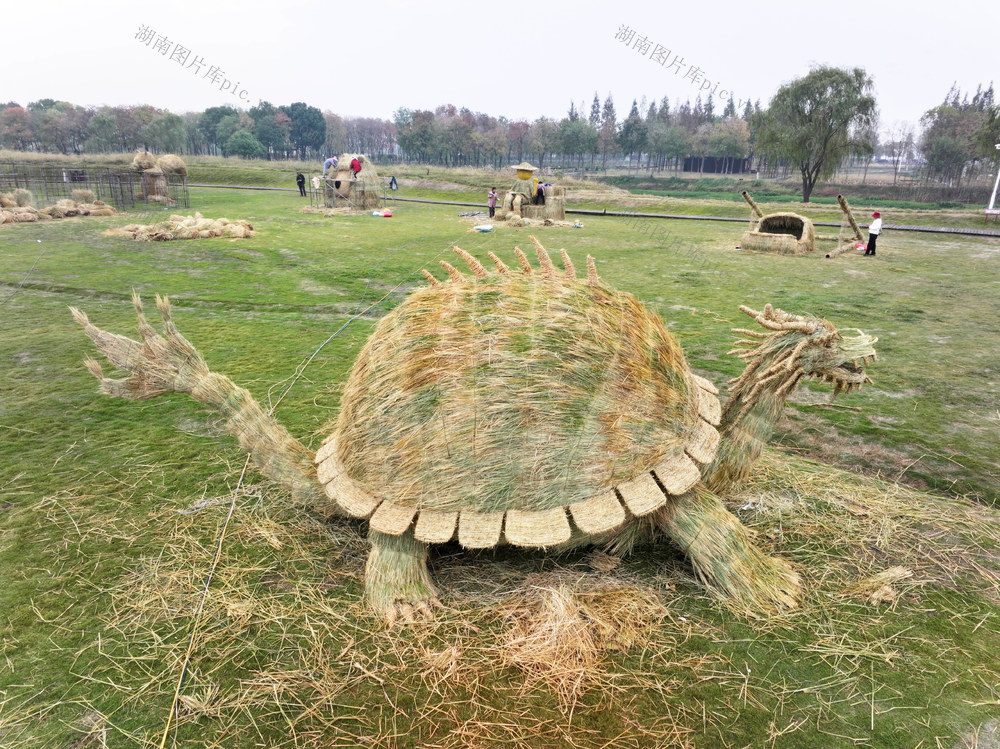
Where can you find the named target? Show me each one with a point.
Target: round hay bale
(142, 161)
(82, 196)
(170, 163)
(25, 217)
(7, 200)
(6, 217)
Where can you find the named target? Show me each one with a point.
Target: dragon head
(796, 347)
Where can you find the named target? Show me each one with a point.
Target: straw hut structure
(782, 233)
(343, 188)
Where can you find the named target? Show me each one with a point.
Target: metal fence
(121, 189)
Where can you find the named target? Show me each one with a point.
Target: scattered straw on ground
(184, 227)
(341, 211)
(579, 653)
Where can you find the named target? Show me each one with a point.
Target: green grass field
(894, 645)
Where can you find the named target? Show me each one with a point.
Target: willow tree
(815, 121)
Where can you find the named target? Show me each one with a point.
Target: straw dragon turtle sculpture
(526, 407)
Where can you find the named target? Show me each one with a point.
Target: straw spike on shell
(548, 269)
(501, 267)
(453, 273)
(474, 265)
(523, 260)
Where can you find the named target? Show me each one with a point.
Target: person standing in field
(874, 229)
(300, 180)
(491, 201)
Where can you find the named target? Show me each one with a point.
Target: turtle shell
(504, 405)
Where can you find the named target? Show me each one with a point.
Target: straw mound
(142, 161)
(170, 163)
(185, 227)
(82, 196)
(513, 220)
(560, 634)
(65, 208)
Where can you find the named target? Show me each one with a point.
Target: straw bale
(705, 384)
(704, 443)
(642, 495)
(478, 530)
(6, 217)
(82, 196)
(601, 513)
(435, 527)
(537, 529)
(392, 519)
(677, 474)
(142, 161)
(7, 200)
(708, 406)
(23, 197)
(170, 163)
(25, 216)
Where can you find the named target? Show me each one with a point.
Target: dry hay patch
(185, 227)
(866, 538)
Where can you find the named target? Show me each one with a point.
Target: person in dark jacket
(300, 180)
(540, 194)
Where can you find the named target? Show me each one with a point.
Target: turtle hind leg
(724, 556)
(397, 582)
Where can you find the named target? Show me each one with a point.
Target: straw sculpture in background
(523, 406)
(784, 233)
(361, 192)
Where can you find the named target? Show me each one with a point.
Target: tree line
(812, 125)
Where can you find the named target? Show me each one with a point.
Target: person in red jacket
(355, 166)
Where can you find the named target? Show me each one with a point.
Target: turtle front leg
(397, 582)
(723, 554)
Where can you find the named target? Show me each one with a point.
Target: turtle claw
(411, 612)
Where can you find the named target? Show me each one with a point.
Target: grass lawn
(111, 511)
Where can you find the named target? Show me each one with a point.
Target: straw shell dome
(514, 406)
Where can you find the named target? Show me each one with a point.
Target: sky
(373, 58)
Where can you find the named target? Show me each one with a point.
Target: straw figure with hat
(524, 406)
(523, 190)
